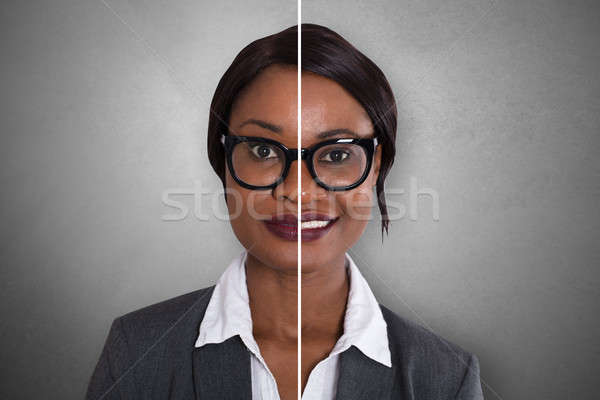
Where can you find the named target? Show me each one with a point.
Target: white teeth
(314, 224)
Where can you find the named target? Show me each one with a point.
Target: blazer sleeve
(111, 367)
(470, 388)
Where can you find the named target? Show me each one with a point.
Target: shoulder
(179, 314)
(418, 342)
(167, 310)
(144, 342)
(428, 362)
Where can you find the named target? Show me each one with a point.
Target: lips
(313, 225)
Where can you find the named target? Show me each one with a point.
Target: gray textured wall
(104, 106)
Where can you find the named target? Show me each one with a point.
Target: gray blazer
(150, 354)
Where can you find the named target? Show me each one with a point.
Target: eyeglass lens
(258, 164)
(340, 164)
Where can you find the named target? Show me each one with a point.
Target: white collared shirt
(228, 314)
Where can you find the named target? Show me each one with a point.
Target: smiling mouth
(311, 230)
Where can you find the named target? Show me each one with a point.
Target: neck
(273, 298)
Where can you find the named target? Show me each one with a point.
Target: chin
(284, 262)
(313, 260)
(307, 269)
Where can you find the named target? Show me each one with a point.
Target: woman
(238, 339)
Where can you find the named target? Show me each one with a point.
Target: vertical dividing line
(299, 162)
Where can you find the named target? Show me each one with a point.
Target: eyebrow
(333, 132)
(262, 124)
(279, 129)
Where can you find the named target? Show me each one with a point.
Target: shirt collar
(364, 325)
(228, 314)
(228, 311)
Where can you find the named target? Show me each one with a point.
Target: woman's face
(272, 98)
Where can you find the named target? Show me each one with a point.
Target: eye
(262, 151)
(335, 156)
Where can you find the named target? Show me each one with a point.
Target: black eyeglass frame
(306, 154)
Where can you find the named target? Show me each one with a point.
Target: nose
(288, 189)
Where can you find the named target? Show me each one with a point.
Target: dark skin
(271, 266)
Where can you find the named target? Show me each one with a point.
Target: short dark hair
(325, 53)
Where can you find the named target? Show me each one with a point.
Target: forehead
(273, 97)
(326, 105)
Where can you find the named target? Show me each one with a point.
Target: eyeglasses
(259, 163)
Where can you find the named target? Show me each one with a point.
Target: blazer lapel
(222, 371)
(362, 378)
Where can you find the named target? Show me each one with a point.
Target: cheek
(244, 226)
(357, 203)
(356, 208)
(246, 208)
(236, 198)
(237, 205)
